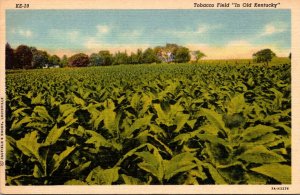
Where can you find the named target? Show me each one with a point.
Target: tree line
(26, 57)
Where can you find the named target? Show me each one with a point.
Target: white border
(169, 189)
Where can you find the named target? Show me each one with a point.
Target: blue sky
(218, 33)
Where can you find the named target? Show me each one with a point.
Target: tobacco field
(149, 125)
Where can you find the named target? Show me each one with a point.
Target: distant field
(214, 122)
(275, 61)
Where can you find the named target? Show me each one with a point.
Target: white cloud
(202, 29)
(102, 29)
(26, 33)
(94, 45)
(106, 31)
(269, 29)
(91, 43)
(98, 41)
(22, 32)
(70, 35)
(274, 28)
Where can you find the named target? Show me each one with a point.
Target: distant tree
(64, 61)
(159, 52)
(182, 54)
(79, 60)
(172, 47)
(23, 57)
(120, 58)
(172, 53)
(198, 55)
(264, 55)
(9, 57)
(54, 60)
(169, 52)
(149, 56)
(139, 54)
(33, 49)
(290, 56)
(39, 58)
(133, 58)
(95, 60)
(106, 57)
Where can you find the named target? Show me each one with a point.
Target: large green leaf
(199, 172)
(179, 163)
(39, 125)
(215, 119)
(78, 100)
(176, 108)
(42, 112)
(157, 130)
(59, 159)
(152, 163)
(184, 137)
(135, 101)
(53, 135)
(38, 99)
(180, 121)
(137, 124)
(278, 98)
(19, 112)
(252, 133)
(279, 172)
(67, 109)
(214, 174)
(76, 171)
(236, 104)
(37, 172)
(210, 129)
(263, 140)
(213, 139)
(10, 148)
(256, 179)
(147, 101)
(131, 180)
(133, 151)
(163, 117)
(262, 155)
(69, 120)
(29, 145)
(79, 131)
(99, 176)
(109, 117)
(17, 124)
(169, 114)
(192, 123)
(96, 139)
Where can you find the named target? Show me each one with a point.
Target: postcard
(149, 97)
